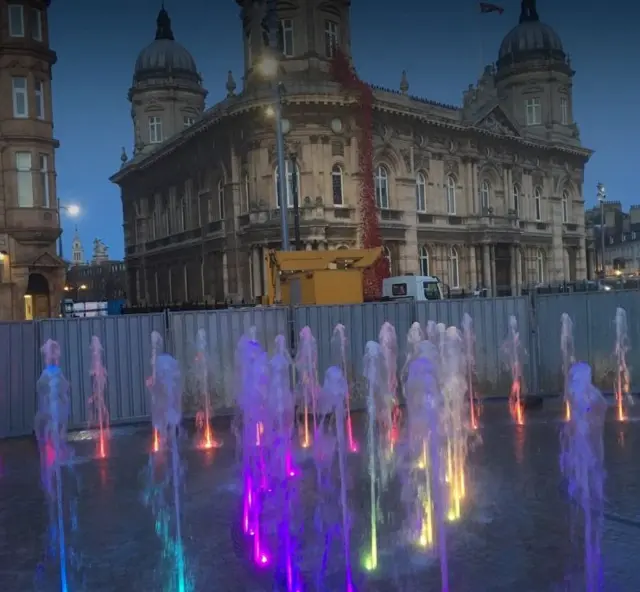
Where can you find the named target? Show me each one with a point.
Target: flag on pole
(486, 7)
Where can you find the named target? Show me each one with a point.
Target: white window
(20, 100)
(537, 204)
(285, 37)
(450, 194)
(382, 188)
(16, 20)
(39, 99)
(533, 111)
(516, 198)
(24, 179)
(454, 268)
(421, 194)
(424, 261)
(247, 193)
(336, 185)
(188, 121)
(485, 190)
(36, 24)
(289, 181)
(540, 265)
(221, 199)
(331, 38)
(386, 253)
(155, 130)
(564, 110)
(565, 207)
(44, 180)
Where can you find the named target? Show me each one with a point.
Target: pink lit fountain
(339, 346)
(306, 365)
(97, 406)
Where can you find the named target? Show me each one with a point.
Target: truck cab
(413, 287)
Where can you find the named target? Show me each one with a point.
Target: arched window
(537, 204)
(382, 188)
(289, 178)
(386, 253)
(424, 261)
(247, 193)
(485, 190)
(336, 185)
(221, 199)
(450, 191)
(565, 207)
(454, 268)
(421, 193)
(516, 198)
(540, 267)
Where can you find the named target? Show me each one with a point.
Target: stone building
(489, 193)
(31, 273)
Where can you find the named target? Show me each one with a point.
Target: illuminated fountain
(622, 385)
(156, 348)
(201, 373)
(387, 408)
(512, 349)
(51, 431)
(582, 463)
(306, 365)
(568, 358)
(97, 407)
(470, 358)
(340, 358)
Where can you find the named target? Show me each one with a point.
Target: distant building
(77, 251)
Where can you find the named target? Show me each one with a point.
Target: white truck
(413, 287)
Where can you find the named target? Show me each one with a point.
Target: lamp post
(602, 196)
(72, 210)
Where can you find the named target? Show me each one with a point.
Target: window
(540, 275)
(25, 179)
(221, 199)
(155, 130)
(289, 182)
(382, 188)
(336, 185)
(454, 268)
(516, 198)
(331, 38)
(450, 191)
(285, 37)
(537, 204)
(533, 111)
(188, 121)
(564, 110)
(20, 101)
(247, 193)
(36, 24)
(39, 99)
(44, 180)
(16, 20)
(565, 207)
(421, 194)
(424, 261)
(386, 253)
(484, 196)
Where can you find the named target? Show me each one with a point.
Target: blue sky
(442, 45)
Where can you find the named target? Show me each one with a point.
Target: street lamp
(72, 210)
(602, 196)
(269, 68)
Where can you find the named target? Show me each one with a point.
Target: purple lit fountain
(339, 346)
(97, 406)
(306, 365)
(582, 463)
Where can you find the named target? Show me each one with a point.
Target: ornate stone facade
(489, 194)
(31, 273)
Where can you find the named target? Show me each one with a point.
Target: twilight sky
(442, 45)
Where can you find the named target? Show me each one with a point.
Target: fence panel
(18, 376)
(491, 324)
(126, 341)
(224, 328)
(594, 334)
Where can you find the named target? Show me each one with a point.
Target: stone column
(514, 271)
(257, 289)
(592, 263)
(581, 262)
(474, 188)
(486, 268)
(170, 282)
(494, 286)
(473, 270)
(225, 274)
(556, 269)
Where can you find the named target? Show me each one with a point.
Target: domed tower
(167, 95)
(306, 34)
(77, 250)
(534, 79)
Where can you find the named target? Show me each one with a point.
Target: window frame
(24, 174)
(450, 195)
(565, 207)
(289, 182)
(421, 192)
(485, 195)
(454, 265)
(381, 181)
(537, 204)
(37, 30)
(44, 179)
(13, 10)
(15, 92)
(40, 104)
(286, 29)
(221, 204)
(564, 110)
(337, 173)
(423, 256)
(331, 38)
(533, 111)
(155, 124)
(187, 121)
(540, 266)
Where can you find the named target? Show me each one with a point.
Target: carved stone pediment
(46, 259)
(498, 123)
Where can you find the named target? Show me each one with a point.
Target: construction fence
(127, 347)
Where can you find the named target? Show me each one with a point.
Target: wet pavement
(515, 533)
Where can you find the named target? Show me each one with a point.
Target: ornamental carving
(452, 167)
(538, 180)
(406, 158)
(421, 161)
(492, 124)
(517, 175)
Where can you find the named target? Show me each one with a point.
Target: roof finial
(163, 30)
(528, 12)
(404, 83)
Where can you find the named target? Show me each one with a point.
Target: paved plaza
(515, 533)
